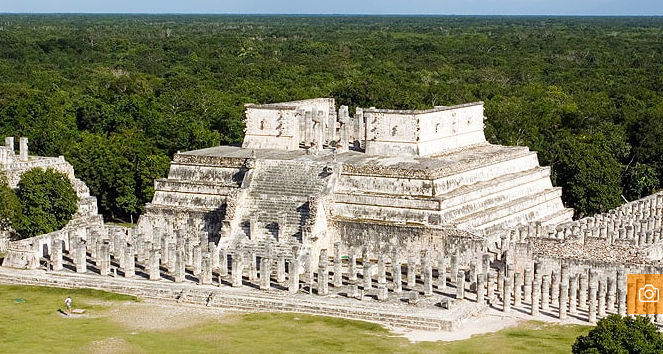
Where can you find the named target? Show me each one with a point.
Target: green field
(32, 324)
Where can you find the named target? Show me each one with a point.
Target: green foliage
(117, 90)
(617, 334)
(10, 208)
(48, 201)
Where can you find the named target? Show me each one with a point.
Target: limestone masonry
(403, 217)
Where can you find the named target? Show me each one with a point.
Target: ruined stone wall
(423, 133)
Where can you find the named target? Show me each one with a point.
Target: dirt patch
(159, 316)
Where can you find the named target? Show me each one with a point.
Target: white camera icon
(648, 293)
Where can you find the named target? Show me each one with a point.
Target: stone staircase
(279, 192)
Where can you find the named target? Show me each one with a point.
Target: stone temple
(379, 180)
(407, 218)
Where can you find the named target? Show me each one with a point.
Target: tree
(48, 201)
(617, 334)
(10, 209)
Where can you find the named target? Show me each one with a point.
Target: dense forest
(118, 95)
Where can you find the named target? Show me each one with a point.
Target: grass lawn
(35, 326)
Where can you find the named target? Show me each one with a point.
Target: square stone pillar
(517, 290)
(527, 287)
(103, 259)
(237, 266)
(536, 296)
(411, 272)
(81, 256)
(323, 273)
(352, 265)
(205, 277)
(490, 287)
(592, 303)
(382, 271)
(9, 144)
(582, 294)
(441, 273)
(396, 276)
(253, 266)
(293, 275)
(23, 149)
(179, 273)
(280, 269)
(223, 263)
(129, 261)
(383, 292)
(368, 280)
(197, 259)
(506, 298)
(338, 265)
(481, 289)
(153, 265)
(460, 285)
(265, 273)
(56, 254)
(573, 293)
(563, 297)
(171, 250)
(454, 267)
(601, 300)
(545, 292)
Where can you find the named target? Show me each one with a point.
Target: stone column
(237, 266)
(205, 276)
(383, 292)
(601, 300)
(104, 261)
(527, 287)
(490, 293)
(280, 269)
(9, 144)
(352, 265)
(56, 254)
(293, 275)
(481, 291)
(485, 263)
(171, 257)
(129, 261)
(563, 297)
(80, 256)
(265, 273)
(308, 129)
(253, 227)
(382, 271)
(536, 295)
(441, 273)
(23, 148)
(223, 263)
(323, 273)
(460, 285)
(338, 266)
(582, 295)
(621, 292)
(197, 259)
(153, 265)
(179, 273)
(554, 287)
(396, 275)
(366, 263)
(592, 302)
(214, 255)
(454, 266)
(506, 298)
(427, 271)
(545, 292)
(517, 290)
(573, 293)
(253, 266)
(610, 296)
(411, 274)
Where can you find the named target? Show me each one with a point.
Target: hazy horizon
(342, 7)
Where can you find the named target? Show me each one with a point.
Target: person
(67, 302)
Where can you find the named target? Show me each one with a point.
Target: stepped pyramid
(308, 176)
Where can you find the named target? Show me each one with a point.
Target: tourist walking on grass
(67, 302)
